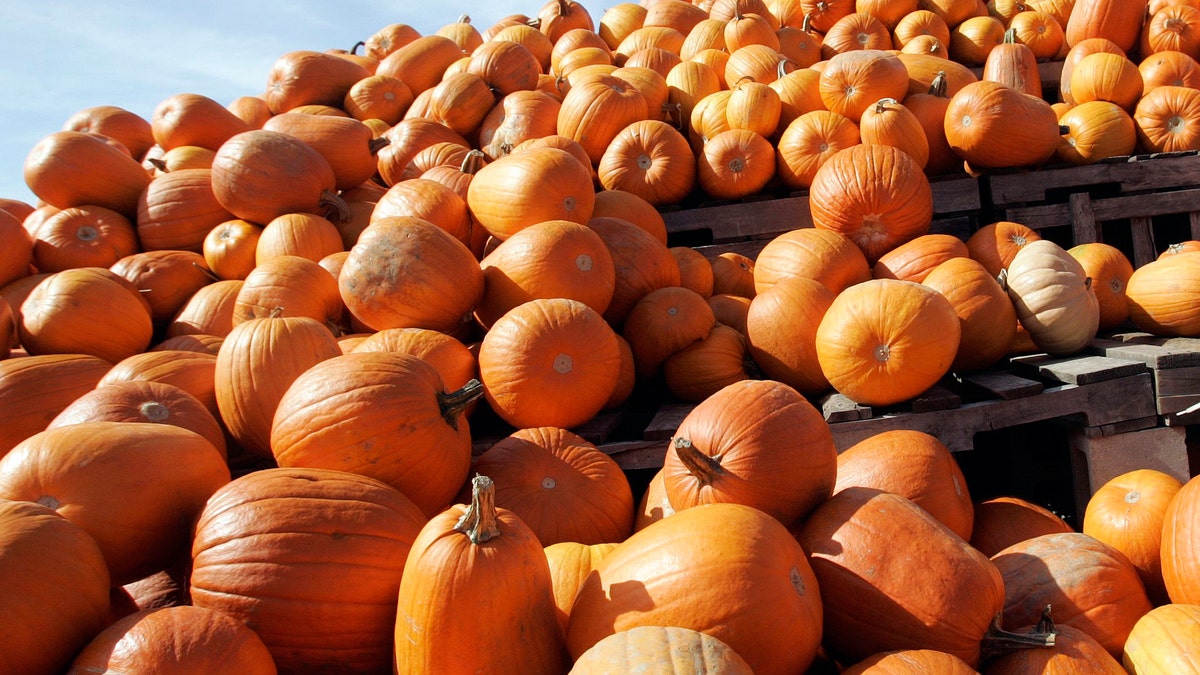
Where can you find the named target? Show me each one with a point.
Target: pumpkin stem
(479, 523)
(883, 103)
(336, 208)
(453, 404)
(938, 86)
(474, 161)
(207, 272)
(706, 469)
(354, 49)
(275, 313)
(806, 25)
(1002, 279)
(1010, 36)
(377, 144)
(157, 164)
(464, 19)
(997, 641)
(673, 113)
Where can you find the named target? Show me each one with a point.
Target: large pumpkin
(1110, 270)
(476, 578)
(663, 322)
(747, 571)
(85, 310)
(310, 78)
(994, 126)
(854, 80)
(335, 545)
(651, 159)
(74, 168)
(827, 256)
(642, 263)
(916, 258)
(260, 175)
(1001, 522)
(1164, 640)
(781, 326)
(54, 588)
(549, 362)
(128, 484)
(531, 186)
(1053, 297)
(1180, 542)
(985, 313)
(81, 236)
(884, 341)
(1112, 19)
(894, 577)
(1162, 295)
(758, 443)
(877, 195)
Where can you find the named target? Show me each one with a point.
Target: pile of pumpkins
(243, 346)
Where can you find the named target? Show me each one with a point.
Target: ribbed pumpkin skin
(85, 310)
(260, 175)
(663, 322)
(570, 564)
(1067, 571)
(914, 259)
(256, 364)
(702, 368)
(379, 414)
(173, 640)
(81, 236)
(773, 449)
(451, 358)
(191, 371)
(1163, 295)
(1003, 521)
(1053, 297)
(344, 142)
(1165, 640)
(164, 279)
(476, 596)
(723, 569)
(651, 159)
(128, 484)
(781, 326)
(1109, 270)
(911, 662)
(1074, 651)
(825, 255)
(73, 168)
(549, 362)
(894, 577)
(1112, 19)
(531, 186)
(661, 650)
(1180, 550)
(310, 78)
(884, 341)
(995, 245)
(877, 195)
(808, 141)
(334, 546)
(54, 589)
(593, 112)
(406, 272)
(914, 465)
(178, 210)
(986, 316)
(993, 126)
(1166, 119)
(34, 389)
(641, 261)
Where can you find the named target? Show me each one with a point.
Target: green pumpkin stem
(998, 641)
(479, 523)
(453, 404)
(706, 469)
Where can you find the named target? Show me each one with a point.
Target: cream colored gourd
(1053, 297)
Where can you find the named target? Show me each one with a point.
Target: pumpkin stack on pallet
(254, 352)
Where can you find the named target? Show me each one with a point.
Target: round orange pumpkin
(1161, 295)
(85, 310)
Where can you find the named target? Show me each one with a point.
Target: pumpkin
(781, 328)
(155, 476)
(164, 279)
(808, 142)
(626, 376)
(74, 168)
(8, 330)
(85, 310)
(560, 485)
(884, 341)
(1053, 297)
(730, 310)
(1168, 119)
(428, 200)
(799, 93)
(1127, 512)
(167, 638)
(406, 139)
(661, 649)
(890, 122)
(388, 39)
(854, 80)
(55, 588)
(1063, 570)
(905, 661)
(618, 21)
(663, 322)
(346, 143)
(127, 128)
(996, 244)
(756, 442)
(747, 28)
(507, 573)
(923, 69)
(178, 210)
(706, 366)
(1013, 63)
(920, 22)
(516, 118)
(1039, 29)
(974, 39)
(651, 159)
(747, 567)
(451, 358)
(733, 274)
(1164, 640)
(193, 120)
(856, 30)
(314, 529)
(230, 248)
(827, 256)
(823, 15)
(1177, 553)
(261, 174)
(594, 111)
(507, 65)
(83, 236)
(1160, 293)
(18, 247)
(1119, 22)
(878, 594)
(306, 235)
(688, 83)
(528, 187)
(993, 126)
(542, 348)
(440, 276)
(1073, 651)
(207, 344)
(1110, 270)
(1107, 77)
(654, 504)
(191, 371)
(986, 315)
(877, 195)
(695, 271)
(1003, 521)
(1169, 68)
(336, 415)
(380, 97)
(914, 465)
(307, 77)
(642, 263)
(208, 311)
(1097, 130)
(288, 285)
(1075, 54)
(735, 163)
(916, 258)
(570, 564)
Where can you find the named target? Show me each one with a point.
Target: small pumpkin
(809, 141)
(1003, 521)
(707, 365)
(1168, 119)
(663, 322)
(1110, 271)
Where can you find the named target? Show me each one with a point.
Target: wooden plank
(1156, 357)
(1139, 173)
(1142, 229)
(935, 398)
(1042, 216)
(636, 454)
(1080, 369)
(955, 195)
(742, 220)
(839, 408)
(1083, 219)
(1002, 385)
(666, 421)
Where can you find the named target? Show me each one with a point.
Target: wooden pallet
(1174, 364)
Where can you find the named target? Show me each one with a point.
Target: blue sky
(60, 56)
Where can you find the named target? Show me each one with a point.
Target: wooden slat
(742, 220)
(1156, 357)
(839, 408)
(1004, 385)
(1080, 369)
(1142, 229)
(1140, 173)
(1043, 216)
(1083, 219)
(666, 421)
(935, 398)
(636, 454)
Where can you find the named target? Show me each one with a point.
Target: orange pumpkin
(1040, 30)
(82, 236)
(911, 661)
(542, 348)
(921, 22)
(1168, 119)
(641, 263)
(996, 244)
(1161, 295)
(1097, 130)
(1013, 63)
(178, 210)
(380, 97)
(1001, 522)
(193, 120)
(916, 258)
(127, 128)
(18, 247)
(856, 30)
(85, 310)
(1075, 54)
(695, 271)
(1164, 638)
(825, 255)
(877, 195)
(991, 125)
(735, 163)
(1109, 270)
(1073, 649)
(972, 40)
(259, 175)
(1107, 77)
(230, 248)
(306, 77)
(528, 187)
(74, 168)
(890, 122)
(593, 112)
(781, 328)
(208, 311)
(1169, 68)
(288, 285)
(191, 371)
(808, 142)
(663, 322)
(648, 647)
(884, 341)
(1120, 22)
(650, 159)
(985, 312)
(164, 279)
(451, 358)
(707, 365)
(516, 118)
(854, 80)
(733, 274)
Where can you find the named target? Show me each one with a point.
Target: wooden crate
(1174, 365)
(1140, 204)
